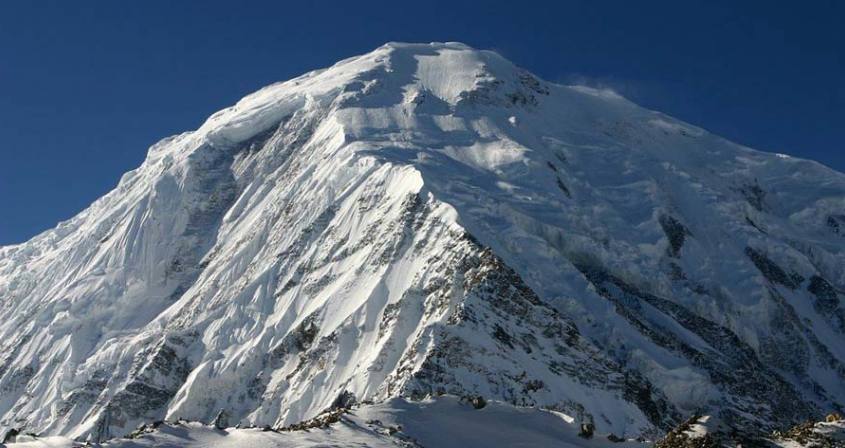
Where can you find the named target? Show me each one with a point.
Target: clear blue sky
(86, 87)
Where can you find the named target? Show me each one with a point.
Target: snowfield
(443, 423)
(429, 220)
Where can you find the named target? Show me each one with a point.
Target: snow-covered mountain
(426, 220)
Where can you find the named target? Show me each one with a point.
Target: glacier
(430, 220)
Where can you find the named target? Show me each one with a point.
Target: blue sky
(86, 87)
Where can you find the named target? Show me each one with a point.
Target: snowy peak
(429, 219)
(392, 75)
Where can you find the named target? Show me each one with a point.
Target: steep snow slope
(430, 219)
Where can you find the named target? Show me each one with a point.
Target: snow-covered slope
(430, 219)
(442, 423)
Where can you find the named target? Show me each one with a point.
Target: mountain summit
(430, 219)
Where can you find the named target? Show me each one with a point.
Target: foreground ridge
(442, 422)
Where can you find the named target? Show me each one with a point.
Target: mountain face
(426, 220)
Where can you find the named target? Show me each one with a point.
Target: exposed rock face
(427, 220)
(772, 271)
(829, 434)
(686, 436)
(732, 365)
(675, 232)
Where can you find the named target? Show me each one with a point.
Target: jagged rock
(755, 195)
(771, 270)
(812, 435)
(675, 232)
(11, 435)
(827, 300)
(221, 420)
(562, 186)
(614, 438)
(323, 420)
(836, 223)
(685, 437)
(587, 430)
(345, 400)
(146, 428)
(476, 401)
